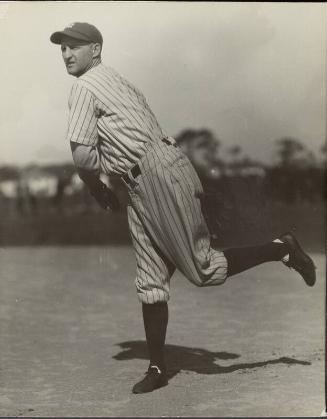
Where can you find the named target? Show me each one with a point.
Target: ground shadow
(200, 361)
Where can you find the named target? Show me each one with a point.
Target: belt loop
(130, 176)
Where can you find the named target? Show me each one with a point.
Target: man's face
(77, 55)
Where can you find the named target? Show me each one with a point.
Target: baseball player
(111, 129)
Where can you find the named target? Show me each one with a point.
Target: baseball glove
(105, 197)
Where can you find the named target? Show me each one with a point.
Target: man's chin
(74, 72)
(71, 71)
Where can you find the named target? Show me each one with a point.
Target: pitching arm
(88, 168)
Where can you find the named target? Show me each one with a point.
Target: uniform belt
(135, 171)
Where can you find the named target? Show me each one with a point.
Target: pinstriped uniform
(167, 225)
(108, 112)
(164, 212)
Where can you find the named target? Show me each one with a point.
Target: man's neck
(94, 63)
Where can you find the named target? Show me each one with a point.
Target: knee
(205, 281)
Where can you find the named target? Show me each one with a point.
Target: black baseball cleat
(153, 379)
(299, 260)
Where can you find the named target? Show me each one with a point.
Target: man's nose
(67, 53)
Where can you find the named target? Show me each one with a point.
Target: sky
(250, 72)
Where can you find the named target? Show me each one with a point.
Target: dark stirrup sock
(243, 258)
(155, 317)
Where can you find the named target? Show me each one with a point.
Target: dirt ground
(72, 340)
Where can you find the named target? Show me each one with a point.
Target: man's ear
(96, 50)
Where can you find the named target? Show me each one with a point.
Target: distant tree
(323, 171)
(297, 176)
(310, 159)
(232, 162)
(289, 149)
(235, 151)
(9, 172)
(62, 171)
(242, 165)
(323, 152)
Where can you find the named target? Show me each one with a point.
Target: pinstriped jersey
(106, 111)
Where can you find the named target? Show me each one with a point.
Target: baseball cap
(78, 30)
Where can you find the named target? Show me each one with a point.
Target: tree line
(230, 178)
(295, 175)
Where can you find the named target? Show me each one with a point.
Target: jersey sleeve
(82, 121)
(85, 158)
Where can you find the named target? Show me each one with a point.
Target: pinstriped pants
(167, 226)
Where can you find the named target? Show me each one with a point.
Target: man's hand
(99, 190)
(105, 197)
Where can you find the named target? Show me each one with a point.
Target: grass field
(72, 340)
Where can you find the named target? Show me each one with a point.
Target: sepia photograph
(162, 209)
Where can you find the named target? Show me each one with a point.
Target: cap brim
(56, 37)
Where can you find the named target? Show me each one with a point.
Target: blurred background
(241, 86)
